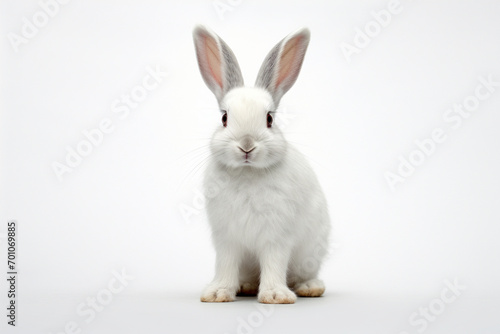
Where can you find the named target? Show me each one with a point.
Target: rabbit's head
(247, 135)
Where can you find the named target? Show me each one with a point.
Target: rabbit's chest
(250, 203)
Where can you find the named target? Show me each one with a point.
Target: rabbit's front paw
(279, 295)
(214, 294)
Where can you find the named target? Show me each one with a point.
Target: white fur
(268, 214)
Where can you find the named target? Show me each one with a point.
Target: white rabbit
(268, 214)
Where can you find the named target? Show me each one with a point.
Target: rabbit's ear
(218, 65)
(282, 64)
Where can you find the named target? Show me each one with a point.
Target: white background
(121, 207)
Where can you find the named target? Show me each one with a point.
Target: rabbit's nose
(245, 151)
(247, 144)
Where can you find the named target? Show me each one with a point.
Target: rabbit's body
(267, 211)
(280, 207)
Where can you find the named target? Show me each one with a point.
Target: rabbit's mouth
(246, 159)
(247, 153)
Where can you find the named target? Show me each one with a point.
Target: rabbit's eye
(269, 120)
(224, 119)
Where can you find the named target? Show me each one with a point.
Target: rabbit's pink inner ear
(213, 58)
(289, 65)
